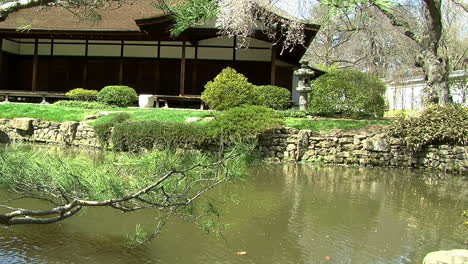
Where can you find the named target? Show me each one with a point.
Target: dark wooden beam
(51, 47)
(158, 72)
(1, 57)
(234, 49)
(85, 66)
(121, 63)
(1, 63)
(34, 65)
(182, 69)
(194, 71)
(50, 65)
(273, 65)
(158, 77)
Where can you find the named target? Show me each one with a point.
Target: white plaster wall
(171, 52)
(26, 48)
(215, 53)
(221, 41)
(253, 55)
(141, 51)
(10, 46)
(259, 43)
(175, 43)
(43, 49)
(69, 49)
(103, 50)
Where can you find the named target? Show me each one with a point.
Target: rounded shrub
(118, 95)
(435, 124)
(229, 89)
(246, 122)
(274, 97)
(347, 93)
(81, 94)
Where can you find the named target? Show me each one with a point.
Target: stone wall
(34, 130)
(366, 149)
(281, 145)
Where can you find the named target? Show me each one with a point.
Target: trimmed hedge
(83, 104)
(104, 129)
(81, 94)
(118, 95)
(246, 122)
(137, 135)
(436, 124)
(229, 89)
(274, 97)
(347, 93)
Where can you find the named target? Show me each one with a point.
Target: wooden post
(34, 69)
(1, 62)
(121, 64)
(234, 49)
(194, 70)
(182, 70)
(50, 65)
(85, 66)
(273, 65)
(158, 72)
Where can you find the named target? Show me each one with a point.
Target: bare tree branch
(461, 5)
(399, 23)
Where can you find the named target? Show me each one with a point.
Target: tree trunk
(436, 70)
(434, 59)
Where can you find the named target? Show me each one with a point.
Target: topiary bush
(118, 95)
(81, 94)
(103, 129)
(436, 124)
(246, 122)
(274, 97)
(137, 135)
(347, 93)
(229, 89)
(83, 104)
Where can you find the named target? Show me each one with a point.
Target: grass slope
(61, 114)
(328, 124)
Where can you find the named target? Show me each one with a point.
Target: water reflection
(282, 214)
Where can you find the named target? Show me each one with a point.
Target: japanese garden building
(130, 45)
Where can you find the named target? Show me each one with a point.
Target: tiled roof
(60, 19)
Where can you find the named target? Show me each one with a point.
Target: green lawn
(43, 112)
(159, 114)
(61, 114)
(328, 124)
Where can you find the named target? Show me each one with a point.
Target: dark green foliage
(436, 124)
(137, 135)
(348, 93)
(274, 97)
(117, 95)
(229, 89)
(187, 13)
(246, 122)
(83, 104)
(81, 94)
(103, 129)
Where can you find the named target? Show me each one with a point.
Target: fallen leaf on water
(241, 253)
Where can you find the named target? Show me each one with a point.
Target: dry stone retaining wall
(371, 149)
(34, 130)
(281, 145)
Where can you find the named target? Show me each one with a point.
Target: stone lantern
(305, 74)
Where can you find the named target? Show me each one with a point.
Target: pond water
(280, 214)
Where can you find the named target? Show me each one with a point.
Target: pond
(280, 214)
